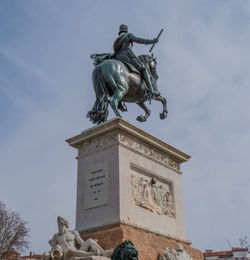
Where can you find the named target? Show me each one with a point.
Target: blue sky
(46, 90)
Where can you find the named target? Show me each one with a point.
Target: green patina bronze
(125, 251)
(121, 77)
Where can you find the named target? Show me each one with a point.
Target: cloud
(46, 90)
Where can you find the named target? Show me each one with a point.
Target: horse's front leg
(163, 100)
(142, 118)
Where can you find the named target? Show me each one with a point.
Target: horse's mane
(145, 58)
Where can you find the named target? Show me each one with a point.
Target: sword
(152, 47)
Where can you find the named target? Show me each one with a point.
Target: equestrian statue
(121, 77)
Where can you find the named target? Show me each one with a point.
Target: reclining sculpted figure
(178, 254)
(69, 245)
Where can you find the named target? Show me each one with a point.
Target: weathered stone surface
(109, 237)
(148, 244)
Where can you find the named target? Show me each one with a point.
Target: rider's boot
(146, 77)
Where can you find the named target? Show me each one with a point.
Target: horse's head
(152, 65)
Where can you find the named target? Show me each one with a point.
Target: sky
(46, 90)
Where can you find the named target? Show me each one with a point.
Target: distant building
(237, 253)
(16, 256)
(31, 256)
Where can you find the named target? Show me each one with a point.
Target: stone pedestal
(129, 187)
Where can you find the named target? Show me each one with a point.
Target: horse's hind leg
(116, 98)
(163, 100)
(142, 118)
(119, 89)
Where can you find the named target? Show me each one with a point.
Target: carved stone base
(128, 176)
(148, 244)
(129, 187)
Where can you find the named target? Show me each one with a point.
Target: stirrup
(157, 93)
(148, 95)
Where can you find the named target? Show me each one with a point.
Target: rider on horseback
(121, 77)
(123, 52)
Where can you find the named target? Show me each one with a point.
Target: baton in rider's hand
(157, 38)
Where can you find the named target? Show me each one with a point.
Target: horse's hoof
(141, 118)
(163, 115)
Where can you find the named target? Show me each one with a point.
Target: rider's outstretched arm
(141, 40)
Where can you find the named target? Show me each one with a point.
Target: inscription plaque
(96, 186)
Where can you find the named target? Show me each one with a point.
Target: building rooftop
(32, 255)
(224, 254)
(219, 253)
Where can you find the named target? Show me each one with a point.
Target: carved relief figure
(68, 245)
(137, 145)
(178, 254)
(154, 197)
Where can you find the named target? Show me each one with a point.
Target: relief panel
(155, 195)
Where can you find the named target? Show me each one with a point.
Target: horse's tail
(99, 112)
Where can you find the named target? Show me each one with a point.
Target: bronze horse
(115, 83)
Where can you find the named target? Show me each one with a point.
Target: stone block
(127, 176)
(129, 187)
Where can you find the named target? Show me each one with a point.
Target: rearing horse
(114, 83)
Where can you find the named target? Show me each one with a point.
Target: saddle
(99, 58)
